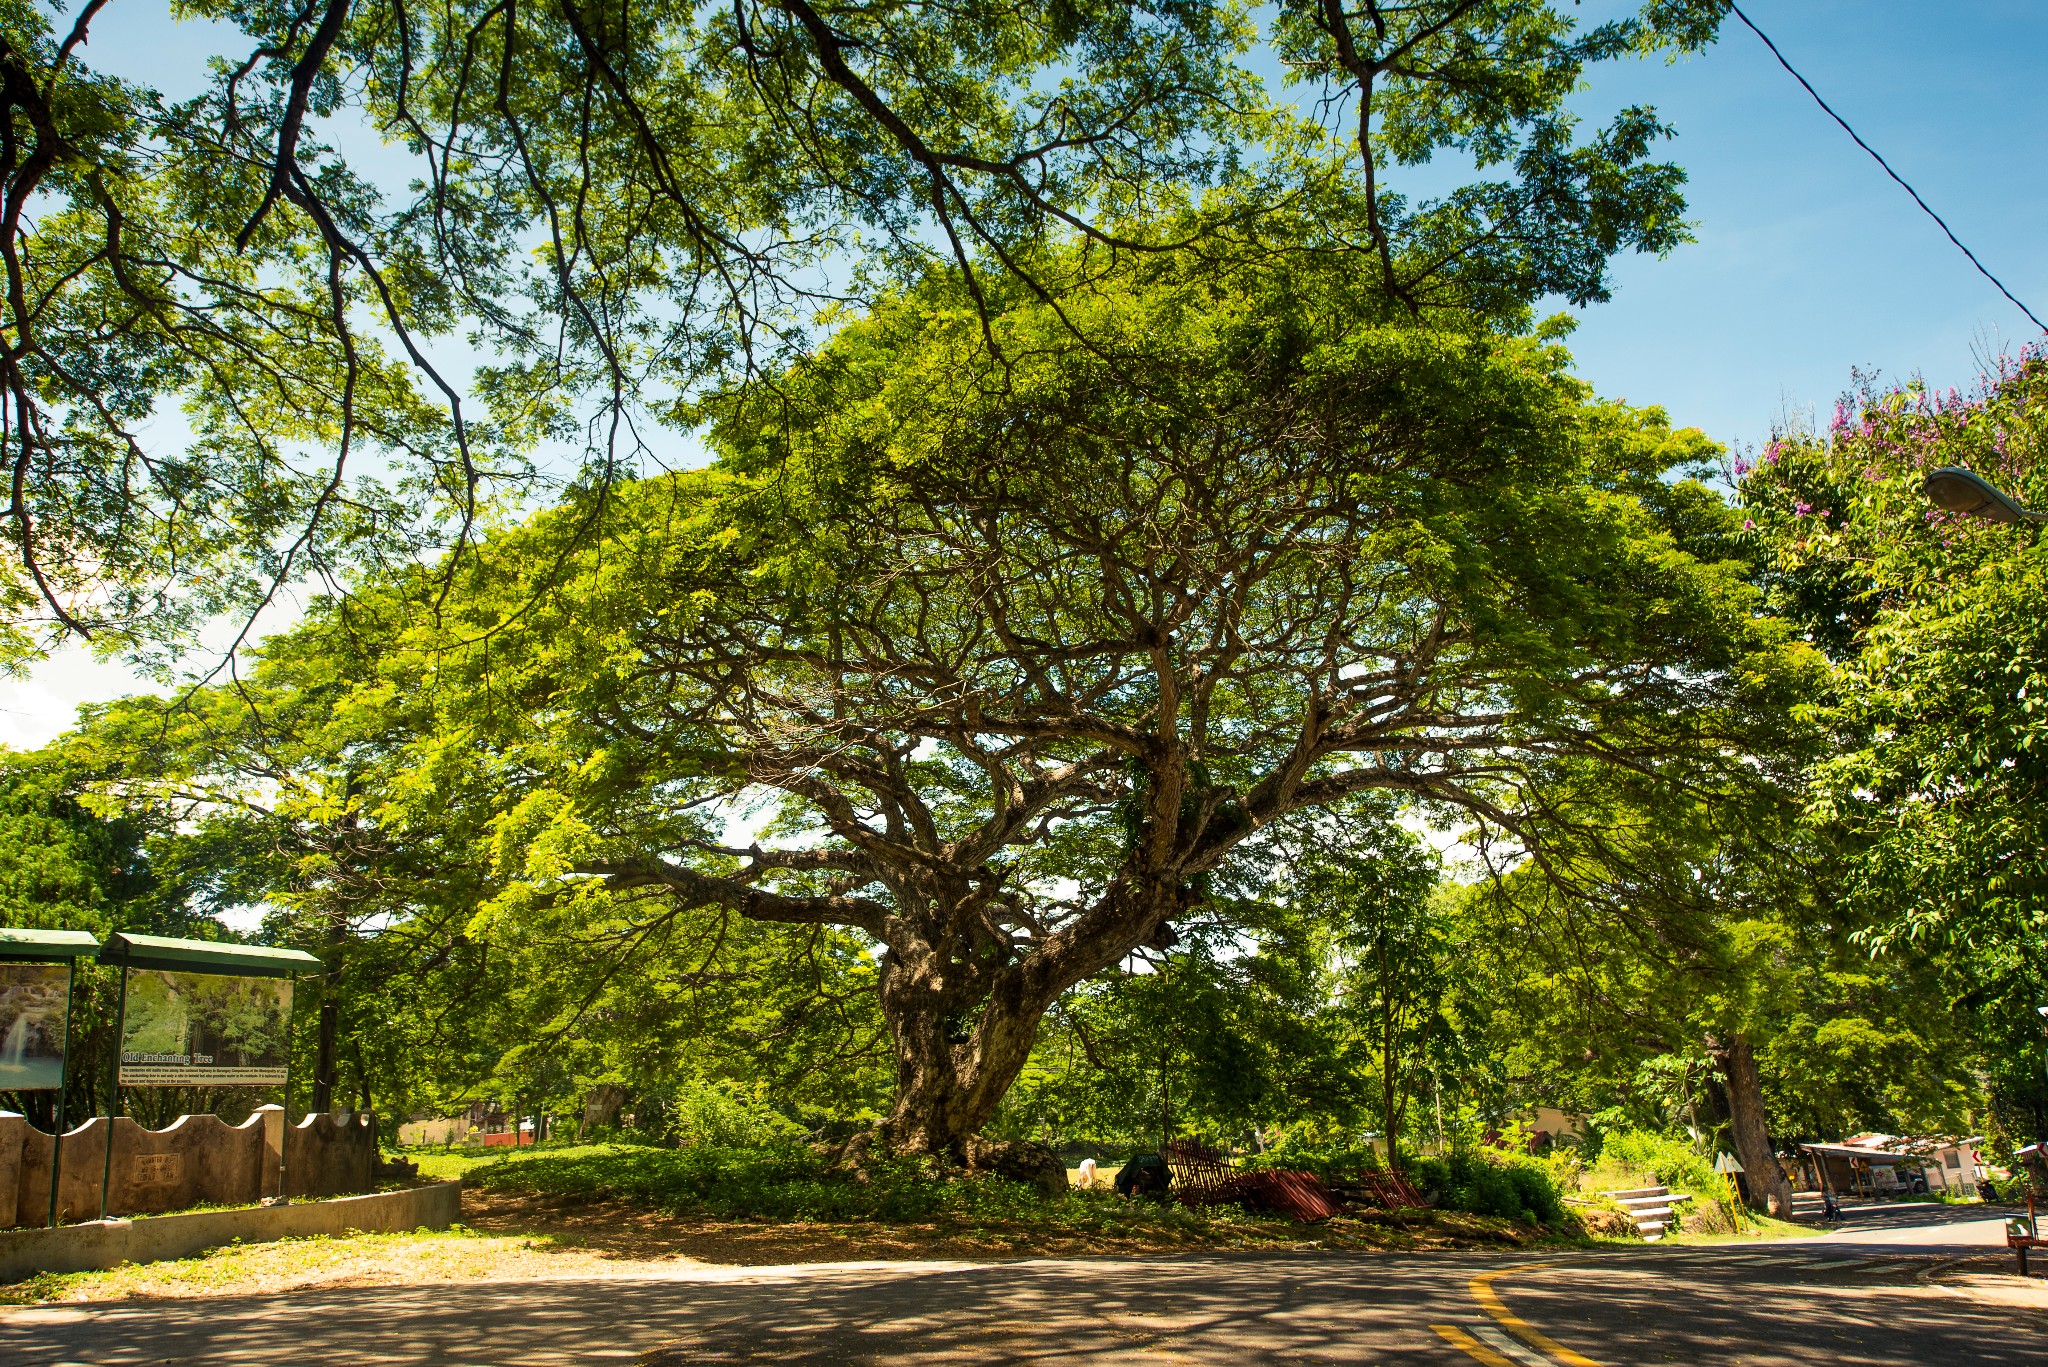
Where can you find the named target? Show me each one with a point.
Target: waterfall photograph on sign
(203, 1029)
(33, 999)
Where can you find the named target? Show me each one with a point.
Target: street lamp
(1962, 491)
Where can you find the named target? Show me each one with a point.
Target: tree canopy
(391, 268)
(1130, 508)
(1020, 645)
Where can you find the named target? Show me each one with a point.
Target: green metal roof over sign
(204, 956)
(45, 946)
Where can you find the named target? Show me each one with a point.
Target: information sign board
(205, 1030)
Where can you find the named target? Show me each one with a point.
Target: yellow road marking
(1458, 1338)
(1482, 1291)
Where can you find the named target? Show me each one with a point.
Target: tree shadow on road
(1296, 1307)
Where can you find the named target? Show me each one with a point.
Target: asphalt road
(1860, 1300)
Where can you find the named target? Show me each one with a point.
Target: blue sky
(1809, 261)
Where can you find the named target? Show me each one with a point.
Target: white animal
(1087, 1172)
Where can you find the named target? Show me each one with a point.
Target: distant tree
(1374, 886)
(284, 796)
(65, 866)
(62, 865)
(1230, 1034)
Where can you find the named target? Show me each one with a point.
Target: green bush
(1509, 1185)
(781, 1181)
(722, 1116)
(1672, 1161)
(1483, 1182)
(788, 1181)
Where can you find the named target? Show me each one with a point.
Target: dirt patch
(300, 1264)
(509, 1237)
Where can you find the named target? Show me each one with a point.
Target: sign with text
(33, 1000)
(205, 1030)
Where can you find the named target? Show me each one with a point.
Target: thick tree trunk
(950, 1079)
(963, 1010)
(1765, 1179)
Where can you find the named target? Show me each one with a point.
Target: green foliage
(722, 1117)
(65, 867)
(1490, 80)
(1321, 972)
(1512, 1186)
(1673, 1162)
(618, 208)
(790, 1181)
(1934, 625)
(1373, 887)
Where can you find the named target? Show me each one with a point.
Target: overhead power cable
(1751, 25)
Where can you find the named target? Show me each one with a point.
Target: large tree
(1933, 792)
(383, 264)
(1017, 645)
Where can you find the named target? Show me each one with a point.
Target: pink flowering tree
(1937, 628)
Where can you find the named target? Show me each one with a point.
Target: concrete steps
(1808, 1205)
(1654, 1209)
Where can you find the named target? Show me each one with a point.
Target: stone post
(270, 1178)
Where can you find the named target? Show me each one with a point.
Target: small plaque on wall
(158, 1169)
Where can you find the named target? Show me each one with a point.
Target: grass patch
(792, 1183)
(441, 1165)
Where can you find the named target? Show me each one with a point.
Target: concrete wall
(109, 1243)
(196, 1160)
(423, 1133)
(331, 1154)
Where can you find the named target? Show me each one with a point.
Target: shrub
(1671, 1161)
(1484, 1182)
(788, 1181)
(720, 1116)
(1512, 1186)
